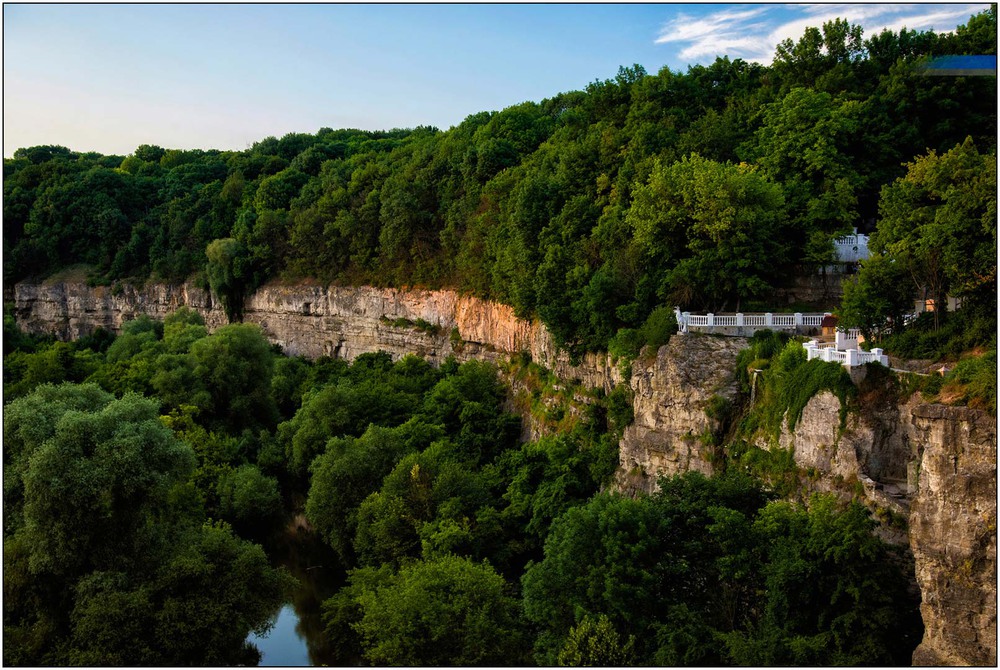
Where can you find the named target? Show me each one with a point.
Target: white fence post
(852, 358)
(798, 320)
(739, 319)
(711, 319)
(768, 319)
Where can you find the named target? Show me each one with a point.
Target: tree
(939, 222)
(827, 59)
(596, 643)
(805, 143)
(833, 595)
(348, 471)
(91, 479)
(877, 299)
(718, 226)
(196, 609)
(234, 364)
(106, 557)
(470, 406)
(229, 274)
(450, 611)
(249, 500)
(648, 564)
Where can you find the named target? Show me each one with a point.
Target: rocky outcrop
(313, 321)
(671, 430)
(929, 471)
(953, 535)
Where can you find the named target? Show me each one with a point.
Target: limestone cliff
(928, 470)
(315, 321)
(934, 467)
(671, 394)
(953, 535)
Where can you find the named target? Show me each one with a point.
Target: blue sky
(110, 77)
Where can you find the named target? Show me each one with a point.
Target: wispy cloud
(724, 32)
(752, 32)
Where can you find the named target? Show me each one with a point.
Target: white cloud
(753, 33)
(724, 32)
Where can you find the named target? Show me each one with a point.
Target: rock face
(953, 534)
(671, 394)
(313, 321)
(931, 465)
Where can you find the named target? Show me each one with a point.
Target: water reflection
(282, 645)
(298, 637)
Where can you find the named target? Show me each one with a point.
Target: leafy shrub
(659, 326)
(787, 386)
(625, 344)
(978, 376)
(957, 333)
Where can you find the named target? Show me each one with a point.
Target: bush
(957, 332)
(659, 326)
(978, 376)
(655, 332)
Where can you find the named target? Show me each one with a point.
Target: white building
(851, 248)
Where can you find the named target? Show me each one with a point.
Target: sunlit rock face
(314, 321)
(672, 391)
(953, 535)
(931, 465)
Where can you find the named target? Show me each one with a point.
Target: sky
(108, 78)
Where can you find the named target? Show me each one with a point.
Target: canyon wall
(928, 471)
(313, 321)
(672, 389)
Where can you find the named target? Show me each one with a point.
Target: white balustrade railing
(794, 321)
(849, 357)
(843, 350)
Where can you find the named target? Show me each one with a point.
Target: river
(298, 636)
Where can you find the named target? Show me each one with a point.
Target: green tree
(720, 228)
(805, 143)
(450, 611)
(833, 595)
(939, 222)
(91, 480)
(877, 299)
(351, 469)
(636, 561)
(249, 500)
(235, 364)
(197, 608)
(596, 643)
(229, 274)
(106, 557)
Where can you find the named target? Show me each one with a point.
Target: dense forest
(705, 189)
(147, 475)
(142, 471)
